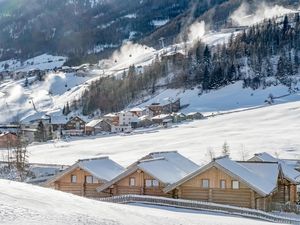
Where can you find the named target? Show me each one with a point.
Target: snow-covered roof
(102, 168)
(253, 178)
(166, 167)
(161, 116)
(59, 119)
(177, 159)
(162, 169)
(137, 109)
(111, 115)
(93, 123)
(263, 183)
(287, 170)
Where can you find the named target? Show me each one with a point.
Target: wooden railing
(198, 205)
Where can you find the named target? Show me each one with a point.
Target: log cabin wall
(193, 189)
(80, 187)
(123, 186)
(286, 192)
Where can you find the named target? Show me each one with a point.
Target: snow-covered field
(274, 129)
(23, 204)
(40, 62)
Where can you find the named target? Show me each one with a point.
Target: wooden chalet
(164, 107)
(74, 127)
(85, 176)
(150, 175)
(8, 140)
(257, 185)
(97, 126)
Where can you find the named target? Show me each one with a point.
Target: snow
(271, 129)
(179, 160)
(102, 168)
(288, 171)
(48, 97)
(162, 169)
(24, 204)
(41, 62)
(159, 23)
(251, 177)
(268, 171)
(231, 97)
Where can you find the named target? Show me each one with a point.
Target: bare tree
(19, 159)
(243, 153)
(210, 153)
(225, 149)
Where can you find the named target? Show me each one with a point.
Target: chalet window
(205, 183)
(88, 179)
(222, 184)
(132, 181)
(148, 183)
(91, 180)
(73, 179)
(235, 184)
(151, 183)
(155, 183)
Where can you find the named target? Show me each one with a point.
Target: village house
(159, 119)
(97, 126)
(194, 116)
(8, 140)
(145, 121)
(113, 118)
(150, 175)
(257, 185)
(128, 119)
(165, 106)
(139, 111)
(85, 176)
(178, 117)
(74, 127)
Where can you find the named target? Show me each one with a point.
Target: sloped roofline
(208, 166)
(128, 172)
(73, 167)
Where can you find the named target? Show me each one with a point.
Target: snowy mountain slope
(47, 96)
(274, 129)
(41, 62)
(231, 97)
(51, 95)
(25, 204)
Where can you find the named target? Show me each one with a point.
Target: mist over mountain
(86, 30)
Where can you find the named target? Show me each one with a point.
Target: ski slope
(274, 129)
(51, 95)
(31, 205)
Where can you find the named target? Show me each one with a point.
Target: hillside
(87, 31)
(272, 129)
(25, 204)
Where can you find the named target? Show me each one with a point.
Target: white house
(128, 118)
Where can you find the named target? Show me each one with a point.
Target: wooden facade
(193, 189)
(220, 190)
(170, 107)
(79, 185)
(138, 182)
(75, 123)
(8, 140)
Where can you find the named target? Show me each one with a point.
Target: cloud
(244, 17)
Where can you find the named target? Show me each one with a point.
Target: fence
(204, 206)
